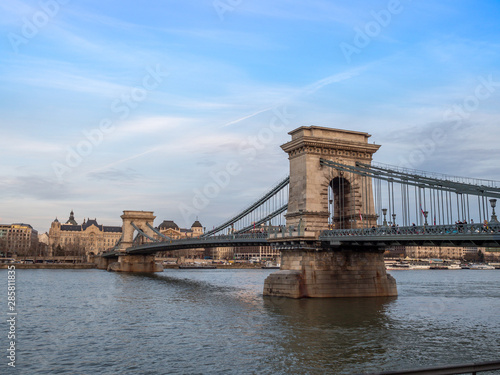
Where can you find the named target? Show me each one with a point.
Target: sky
(180, 106)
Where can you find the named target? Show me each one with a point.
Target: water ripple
(217, 321)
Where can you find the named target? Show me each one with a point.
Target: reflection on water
(336, 312)
(217, 321)
(332, 335)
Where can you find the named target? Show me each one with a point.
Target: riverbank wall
(82, 266)
(50, 266)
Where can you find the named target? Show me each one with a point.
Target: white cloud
(15, 145)
(153, 125)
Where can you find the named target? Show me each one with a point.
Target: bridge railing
(248, 239)
(243, 236)
(267, 232)
(426, 230)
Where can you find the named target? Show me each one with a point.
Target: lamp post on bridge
(425, 216)
(394, 219)
(384, 212)
(493, 203)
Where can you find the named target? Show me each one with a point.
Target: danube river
(218, 322)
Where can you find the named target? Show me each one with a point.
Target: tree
(58, 251)
(490, 257)
(474, 257)
(42, 249)
(74, 248)
(3, 246)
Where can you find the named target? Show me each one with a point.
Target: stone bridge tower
(141, 219)
(351, 195)
(311, 267)
(124, 262)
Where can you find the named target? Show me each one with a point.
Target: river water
(218, 322)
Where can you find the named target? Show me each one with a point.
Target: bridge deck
(253, 239)
(431, 235)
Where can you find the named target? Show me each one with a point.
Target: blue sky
(120, 105)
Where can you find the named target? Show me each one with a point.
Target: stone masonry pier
(331, 273)
(123, 262)
(135, 263)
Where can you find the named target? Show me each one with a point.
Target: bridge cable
(432, 195)
(143, 233)
(468, 209)
(412, 179)
(435, 182)
(158, 232)
(248, 215)
(262, 221)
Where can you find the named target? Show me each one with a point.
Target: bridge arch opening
(139, 239)
(340, 203)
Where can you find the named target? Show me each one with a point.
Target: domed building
(168, 224)
(170, 229)
(71, 220)
(197, 228)
(88, 238)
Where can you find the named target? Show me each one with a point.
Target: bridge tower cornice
(339, 150)
(322, 141)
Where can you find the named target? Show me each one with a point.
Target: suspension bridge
(332, 218)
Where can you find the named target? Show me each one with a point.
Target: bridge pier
(342, 272)
(135, 263)
(103, 262)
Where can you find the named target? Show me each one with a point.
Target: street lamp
(493, 203)
(425, 216)
(394, 219)
(384, 212)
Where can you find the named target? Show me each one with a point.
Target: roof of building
(168, 224)
(73, 228)
(111, 229)
(196, 224)
(23, 224)
(88, 223)
(71, 219)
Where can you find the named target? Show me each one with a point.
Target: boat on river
(196, 266)
(271, 265)
(438, 267)
(399, 266)
(481, 267)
